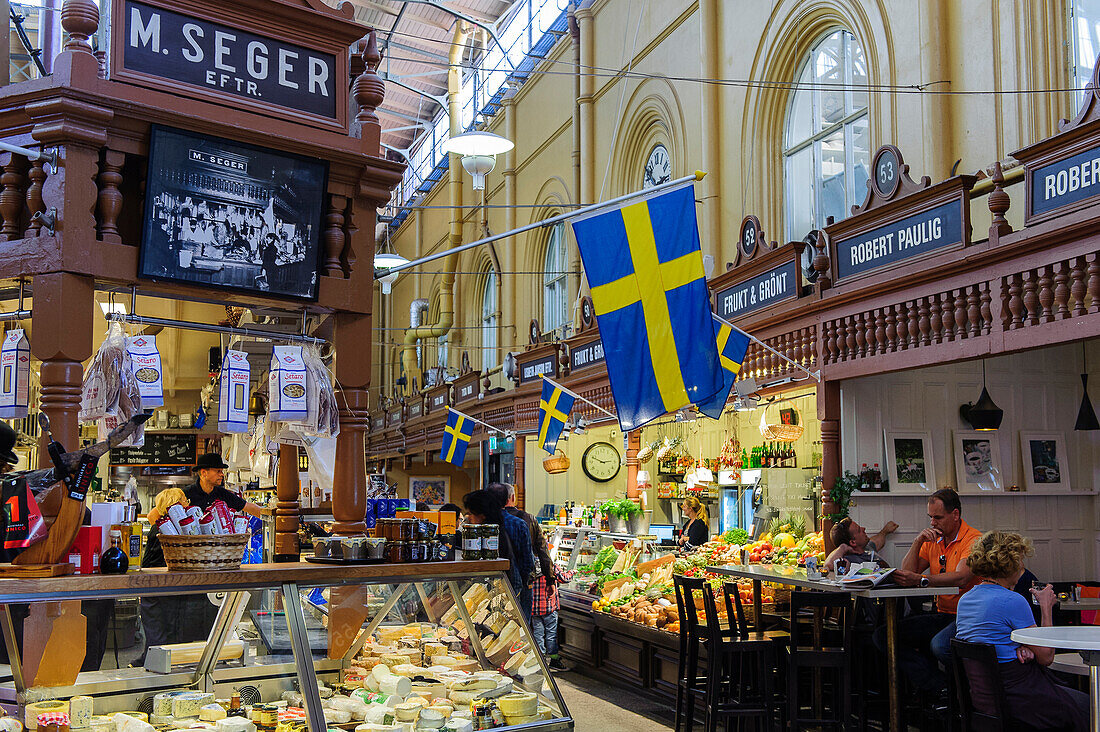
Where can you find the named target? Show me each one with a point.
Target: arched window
(1085, 35)
(490, 321)
(826, 143)
(555, 300)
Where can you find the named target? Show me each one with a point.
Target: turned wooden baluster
(334, 235)
(891, 331)
(348, 257)
(1046, 294)
(1031, 296)
(960, 313)
(11, 196)
(1012, 311)
(821, 265)
(798, 345)
(923, 322)
(947, 312)
(369, 90)
(80, 19)
(861, 334)
(1078, 286)
(914, 324)
(999, 203)
(935, 321)
(973, 310)
(826, 342)
(871, 331)
(1094, 282)
(841, 339)
(986, 310)
(880, 331)
(109, 202)
(35, 204)
(811, 337)
(851, 343)
(1061, 291)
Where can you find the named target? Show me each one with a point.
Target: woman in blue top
(989, 613)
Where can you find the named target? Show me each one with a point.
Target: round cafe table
(1084, 639)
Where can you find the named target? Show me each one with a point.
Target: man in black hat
(209, 486)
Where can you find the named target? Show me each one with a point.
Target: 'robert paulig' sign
(1064, 182)
(766, 288)
(226, 60)
(910, 237)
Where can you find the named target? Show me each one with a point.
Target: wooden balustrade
(1069, 288)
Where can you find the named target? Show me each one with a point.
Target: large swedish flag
(733, 344)
(456, 437)
(650, 295)
(554, 409)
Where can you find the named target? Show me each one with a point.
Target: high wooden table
(1086, 640)
(796, 577)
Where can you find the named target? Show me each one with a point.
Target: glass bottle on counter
(114, 560)
(876, 478)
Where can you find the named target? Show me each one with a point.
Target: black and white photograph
(978, 461)
(227, 214)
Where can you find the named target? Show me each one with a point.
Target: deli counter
(303, 646)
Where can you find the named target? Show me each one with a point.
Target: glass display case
(304, 646)
(592, 555)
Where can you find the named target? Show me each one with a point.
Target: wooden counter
(250, 576)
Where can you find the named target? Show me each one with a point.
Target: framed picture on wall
(433, 490)
(1046, 462)
(978, 464)
(909, 461)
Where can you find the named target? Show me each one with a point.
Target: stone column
(353, 366)
(62, 326)
(287, 489)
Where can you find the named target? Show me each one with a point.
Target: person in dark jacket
(483, 507)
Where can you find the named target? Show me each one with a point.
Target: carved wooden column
(287, 489)
(828, 411)
(62, 323)
(11, 195)
(518, 460)
(633, 445)
(334, 235)
(353, 364)
(110, 198)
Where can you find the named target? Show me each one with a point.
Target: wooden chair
(980, 688)
(824, 652)
(688, 679)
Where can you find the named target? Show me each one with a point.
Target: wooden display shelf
(250, 576)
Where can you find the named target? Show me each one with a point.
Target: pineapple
(798, 526)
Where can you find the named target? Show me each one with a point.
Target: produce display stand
(358, 601)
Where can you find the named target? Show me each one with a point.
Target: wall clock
(601, 462)
(658, 168)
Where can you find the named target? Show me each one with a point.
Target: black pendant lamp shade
(982, 415)
(1086, 415)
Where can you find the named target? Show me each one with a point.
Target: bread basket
(779, 431)
(203, 553)
(556, 463)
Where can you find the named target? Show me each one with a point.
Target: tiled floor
(598, 707)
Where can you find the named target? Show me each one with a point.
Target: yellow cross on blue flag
(649, 290)
(456, 437)
(554, 407)
(733, 344)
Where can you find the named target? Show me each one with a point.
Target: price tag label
(646, 537)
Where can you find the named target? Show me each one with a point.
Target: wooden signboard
(586, 353)
(466, 387)
(437, 399)
(539, 361)
(269, 56)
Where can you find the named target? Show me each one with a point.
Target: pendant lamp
(982, 415)
(1086, 415)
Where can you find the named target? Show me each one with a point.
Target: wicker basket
(781, 432)
(203, 553)
(556, 463)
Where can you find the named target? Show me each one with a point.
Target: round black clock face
(658, 168)
(601, 462)
(535, 332)
(587, 316)
(887, 171)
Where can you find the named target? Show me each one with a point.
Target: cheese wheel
(429, 689)
(406, 712)
(467, 664)
(445, 709)
(380, 672)
(156, 719)
(463, 698)
(395, 685)
(441, 659)
(10, 724)
(102, 723)
(429, 719)
(459, 724)
(518, 704)
(337, 716)
(546, 712)
(504, 687)
(130, 722)
(472, 684)
(512, 721)
(234, 724)
(407, 669)
(80, 712)
(53, 706)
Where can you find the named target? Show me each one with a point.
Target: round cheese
(429, 689)
(380, 672)
(54, 706)
(459, 724)
(429, 719)
(518, 704)
(211, 713)
(406, 712)
(512, 721)
(395, 685)
(10, 724)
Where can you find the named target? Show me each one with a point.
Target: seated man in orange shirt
(941, 550)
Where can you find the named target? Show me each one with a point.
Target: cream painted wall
(998, 45)
(1039, 391)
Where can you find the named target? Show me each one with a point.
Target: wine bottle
(114, 560)
(864, 478)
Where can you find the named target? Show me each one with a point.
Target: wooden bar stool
(825, 652)
(689, 682)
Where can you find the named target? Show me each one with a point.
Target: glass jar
(408, 529)
(490, 541)
(471, 542)
(405, 549)
(393, 552)
(421, 552)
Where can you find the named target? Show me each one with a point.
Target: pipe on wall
(712, 128)
(447, 286)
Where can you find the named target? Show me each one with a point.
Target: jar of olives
(490, 541)
(471, 542)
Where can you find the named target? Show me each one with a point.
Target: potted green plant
(841, 494)
(621, 511)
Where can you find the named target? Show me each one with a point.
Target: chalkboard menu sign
(159, 449)
(161, 471)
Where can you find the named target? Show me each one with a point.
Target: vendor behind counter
(168, 620)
